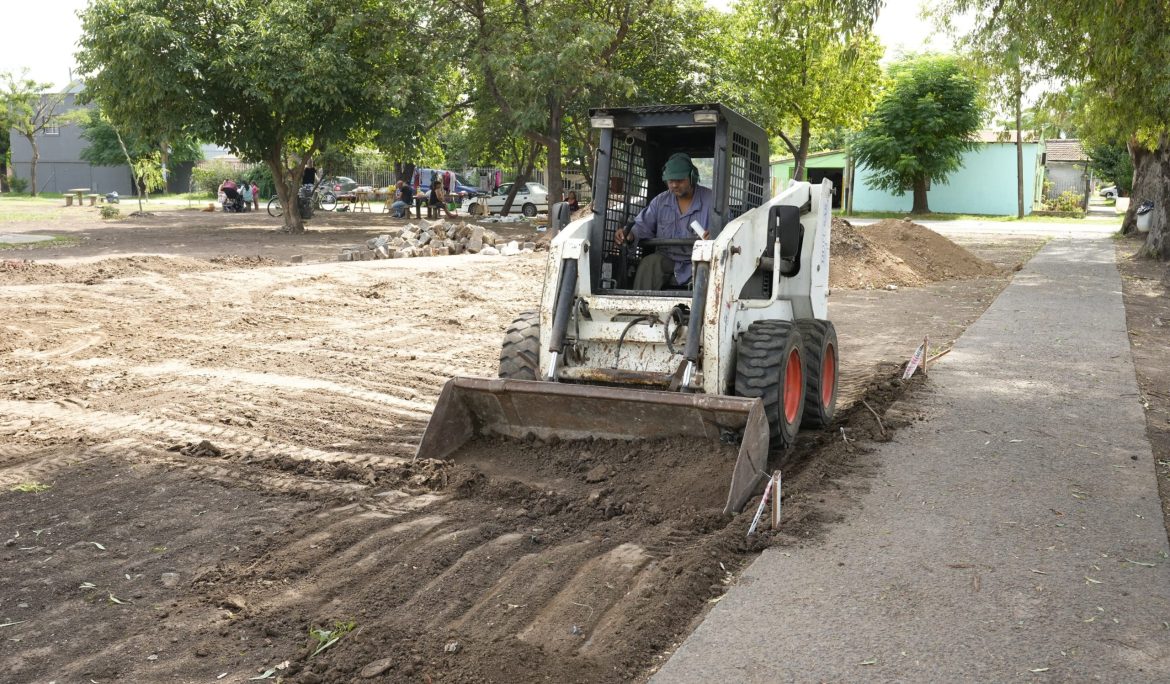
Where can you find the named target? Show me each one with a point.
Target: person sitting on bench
(669, 215)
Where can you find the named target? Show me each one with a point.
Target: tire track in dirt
(309, 386)
(54, 420)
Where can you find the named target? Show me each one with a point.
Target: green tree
(794, 67)
(921, 126)
(103, 148)
(30, 108)
(1111, 161)
(1117, 54)
(532, 61)
(278, 83)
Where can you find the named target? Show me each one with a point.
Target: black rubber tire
(274, 208)
(529, 209)
(328, 201)
(520, 353)
(762, 368)
(820, 359)
(475, 209)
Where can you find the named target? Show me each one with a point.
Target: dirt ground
(1146, 285)
(224, 453)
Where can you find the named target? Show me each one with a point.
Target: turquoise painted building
(986, 183)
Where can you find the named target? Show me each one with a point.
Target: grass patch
(1030, 218)
(30, 487)
(57, 241)
(921, 217)
(327, 637)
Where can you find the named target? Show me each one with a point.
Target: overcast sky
(41, 35)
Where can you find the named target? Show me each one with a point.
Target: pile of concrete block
(438, 238)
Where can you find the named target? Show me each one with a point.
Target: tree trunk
(555, 182)
(585, 141)
(286, 190)
(1019, 156)
(130, 165)
(799, 172)
(529, 161)
(1151, 181)
(920, 203)
(32, 168)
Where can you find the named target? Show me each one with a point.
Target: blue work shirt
(662, 219)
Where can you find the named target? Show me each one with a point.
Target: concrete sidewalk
(1014, 535)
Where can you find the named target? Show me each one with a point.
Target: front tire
(768, 365)
(274, 208)
(821, 371)
(529, 209)
(520, 353)
(328, 201)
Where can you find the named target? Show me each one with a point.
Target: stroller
(235, 204)
(233, 201)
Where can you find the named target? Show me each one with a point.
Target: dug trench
(226, 463)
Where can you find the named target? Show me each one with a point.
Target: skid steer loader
(744, 352)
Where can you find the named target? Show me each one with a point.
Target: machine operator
(670, 215)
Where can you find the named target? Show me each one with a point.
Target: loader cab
(730, 152)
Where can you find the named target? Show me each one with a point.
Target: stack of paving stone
(438, 238)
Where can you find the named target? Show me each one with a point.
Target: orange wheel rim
(828, 376)
(793, 386)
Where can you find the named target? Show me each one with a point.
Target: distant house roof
(811, 155)
(987, 136)
(1064, 151)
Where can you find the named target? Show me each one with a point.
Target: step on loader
(744, 351)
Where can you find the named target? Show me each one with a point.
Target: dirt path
(155, 556)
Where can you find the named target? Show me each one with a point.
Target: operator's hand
(620, 237)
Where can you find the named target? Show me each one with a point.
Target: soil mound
(897, 252)
(21, 272)
(856, 263)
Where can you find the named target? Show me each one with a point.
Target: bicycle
(322, 199)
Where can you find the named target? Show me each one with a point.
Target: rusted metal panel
(615, 376)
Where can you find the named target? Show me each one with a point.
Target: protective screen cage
(634, 144)
(748, 179)
(628, 186)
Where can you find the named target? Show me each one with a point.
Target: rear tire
(328, 201)
(821, 371)
(274, 208)
(768, 365)
(520, 354)
(529, 209)
(475, 209)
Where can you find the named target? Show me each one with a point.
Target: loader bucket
(471, 407)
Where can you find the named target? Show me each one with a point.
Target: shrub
(262, 176)
(18, 185)
(207, 176)
(1069, 200)
(109, 211)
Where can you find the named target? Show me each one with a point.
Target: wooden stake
(776, 501)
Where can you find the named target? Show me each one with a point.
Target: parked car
(530, 200)
(1108, 192)
(339, 184)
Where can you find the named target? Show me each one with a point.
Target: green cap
(677, 167)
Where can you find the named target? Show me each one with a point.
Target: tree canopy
(921, 126)
(794, 67)
(277, 83)
(104, 149)
(1118, 53)
(29, 107)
